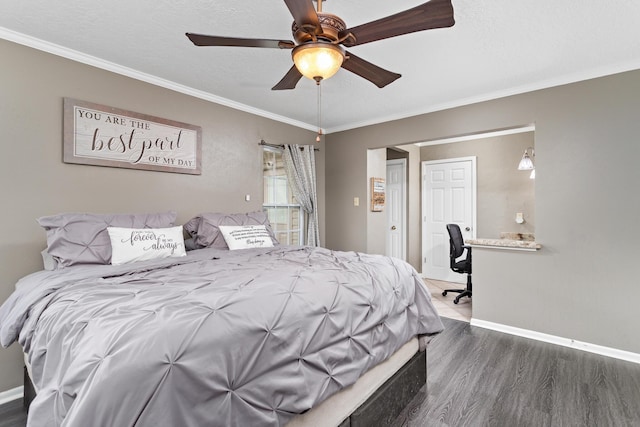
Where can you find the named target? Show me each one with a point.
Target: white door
(448, 196)
(396, 201)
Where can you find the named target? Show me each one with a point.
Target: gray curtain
(300, 166)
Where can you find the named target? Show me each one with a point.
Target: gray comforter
(217, 338)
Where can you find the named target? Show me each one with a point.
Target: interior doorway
(396, 195)
(448, 196)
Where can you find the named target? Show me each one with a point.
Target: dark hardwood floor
(478, 377)
(12, 414)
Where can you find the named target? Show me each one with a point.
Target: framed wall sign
(377, 194)
(106, 136)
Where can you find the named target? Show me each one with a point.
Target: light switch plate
(356, 201)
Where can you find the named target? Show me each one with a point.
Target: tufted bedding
(216, 338)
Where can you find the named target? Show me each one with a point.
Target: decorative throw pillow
(190, 245)
(246, 236)
(205, 230)
(141, 244)
(192, 225)
(82, 238)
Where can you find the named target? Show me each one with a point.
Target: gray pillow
(190, 245)
(82, 238)
(48, 262)
(191, 227)
(205, 230)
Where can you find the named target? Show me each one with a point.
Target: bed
(258, 336)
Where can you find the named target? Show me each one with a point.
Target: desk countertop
(504, 244)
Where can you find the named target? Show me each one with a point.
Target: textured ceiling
(496, 48)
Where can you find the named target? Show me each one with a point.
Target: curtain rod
(263, 142)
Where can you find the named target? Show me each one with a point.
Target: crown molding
(93, 61)
(80, 57)
(518, 90)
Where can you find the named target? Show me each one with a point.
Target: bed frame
(384, 406)
(380, 409)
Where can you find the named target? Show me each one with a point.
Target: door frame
(424, 198)
(403, 203)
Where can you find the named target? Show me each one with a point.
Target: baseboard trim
(565, 342)
(11, 395)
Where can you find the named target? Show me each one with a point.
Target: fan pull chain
(319, 110)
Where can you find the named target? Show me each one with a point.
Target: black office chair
(456, 248)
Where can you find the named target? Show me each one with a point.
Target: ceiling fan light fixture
(318, 60)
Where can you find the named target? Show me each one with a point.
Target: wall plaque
(377, 194)
(106, 136)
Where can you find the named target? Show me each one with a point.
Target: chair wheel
(455, 301)
(444, 294)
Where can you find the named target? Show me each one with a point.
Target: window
(284, 212)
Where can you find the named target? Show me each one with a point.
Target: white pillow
(141, 244)
(246, 236)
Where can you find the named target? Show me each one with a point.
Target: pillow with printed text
(205, 230)
(82, 238)
(246, 236)
(141, 244)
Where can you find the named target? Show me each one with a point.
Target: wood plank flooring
(12, 414)
(478, 377)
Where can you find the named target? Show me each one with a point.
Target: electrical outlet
(247, 197)
(356, 201)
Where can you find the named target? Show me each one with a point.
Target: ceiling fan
(318, 51)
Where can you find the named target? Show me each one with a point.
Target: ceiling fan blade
(303, 13)
(204, 40)
(289, 81)
(376, 75)
(433, 14)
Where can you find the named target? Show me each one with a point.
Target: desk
(508, 244)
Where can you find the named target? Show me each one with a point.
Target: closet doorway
(396, 195)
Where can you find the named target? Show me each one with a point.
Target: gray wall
(502, 189)
(35, 181)
(413, 221)
(376, 221)
(414, 191)
(587, 206)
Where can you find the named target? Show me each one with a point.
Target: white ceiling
(496, 48)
